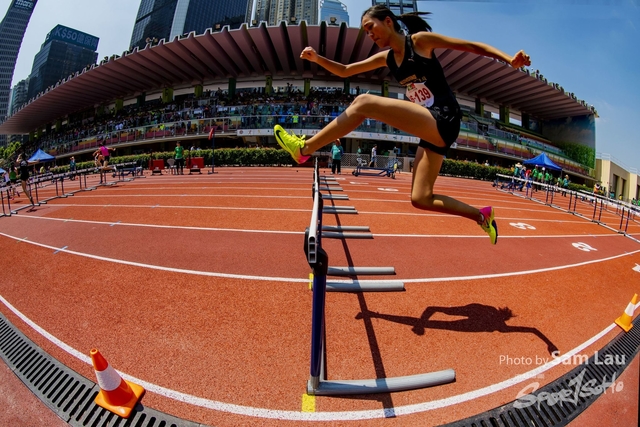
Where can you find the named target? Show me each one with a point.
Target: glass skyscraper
(12, 29)
(154, 20)
(198, 15)
(165, 19)
(63, 52)
(333, 9)
(276, 11)
(18, 96)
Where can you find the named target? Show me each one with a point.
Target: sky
(589, 47)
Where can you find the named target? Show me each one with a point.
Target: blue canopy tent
(542, 160)
(40, 156)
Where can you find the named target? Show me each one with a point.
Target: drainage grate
(70, 395)
(543, 411)
(64, 391)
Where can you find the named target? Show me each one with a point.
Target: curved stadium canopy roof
(248, 53)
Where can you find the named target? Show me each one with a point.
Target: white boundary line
(297, 280)
(237, 230)
(321, 416)
(158, 206)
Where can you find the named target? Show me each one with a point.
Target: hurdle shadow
(477, 318)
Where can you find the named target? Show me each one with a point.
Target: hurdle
(318, 260)
(389, 170)
(626, 211)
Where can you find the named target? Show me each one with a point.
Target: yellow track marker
(308, 403)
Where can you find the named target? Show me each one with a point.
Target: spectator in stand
(336, 157)
(179, 156)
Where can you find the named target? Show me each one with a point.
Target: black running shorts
(448, 122)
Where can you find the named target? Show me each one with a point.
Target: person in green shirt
(179, 156)
(336, 157)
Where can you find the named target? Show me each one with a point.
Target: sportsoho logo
(576, 389)
(24, 4)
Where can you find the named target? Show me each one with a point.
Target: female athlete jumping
(433, 115)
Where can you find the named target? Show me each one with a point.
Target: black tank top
(418, 69)
(24, 170)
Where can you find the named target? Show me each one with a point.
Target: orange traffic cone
(624, 321)
(116, 394)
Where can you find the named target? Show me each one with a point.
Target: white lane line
(298, 280)
(405, 199)
(322, 416)
(177, 227)
(200, 195)
(237, 230)
(158, 267)
(86, 205)
(61, 249)
(183, 207)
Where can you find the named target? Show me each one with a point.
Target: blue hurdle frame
(318, 384)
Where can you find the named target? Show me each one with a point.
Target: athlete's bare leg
(426, 168)
(404, 115)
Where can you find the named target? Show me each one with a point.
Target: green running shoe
(292, 144)
(489, 224)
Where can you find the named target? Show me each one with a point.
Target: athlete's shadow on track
(478, 318)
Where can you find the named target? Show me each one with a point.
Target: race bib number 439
(420, 94)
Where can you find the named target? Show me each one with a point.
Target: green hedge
(224, 157)
(272, 157)
(471, 170)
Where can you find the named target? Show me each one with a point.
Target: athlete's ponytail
(412, 21)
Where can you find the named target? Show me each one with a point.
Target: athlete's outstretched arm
(426, 42)
(371, 63)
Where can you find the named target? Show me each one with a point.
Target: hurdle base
(354, 271)
(334, 197)
(332, 210)
(370, 286)
(21, 208)
(380, 385)
(195, 170)
(341, 235)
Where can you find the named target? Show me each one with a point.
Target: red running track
(197, 286)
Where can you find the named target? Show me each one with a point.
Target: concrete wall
(626, 183)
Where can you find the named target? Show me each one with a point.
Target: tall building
(333, 12)
(18, 96)
(198, 15)
(63, 52)
(154, 20)
(12, 29)
(165, 19)
(275, 11)
(398, 7)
